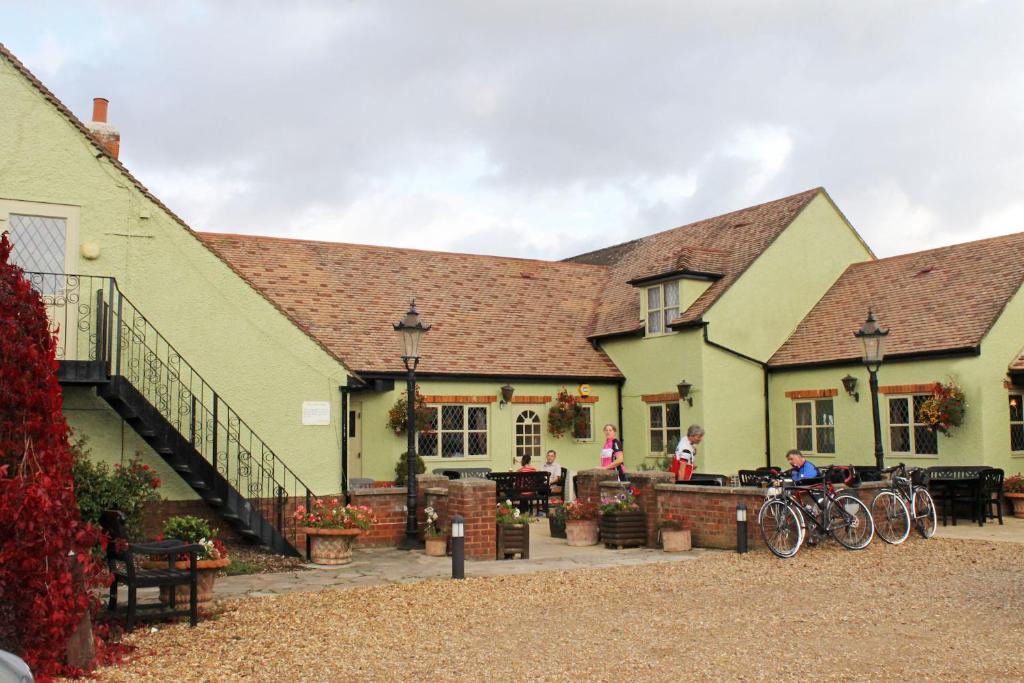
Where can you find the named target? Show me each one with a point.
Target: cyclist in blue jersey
(802, 467)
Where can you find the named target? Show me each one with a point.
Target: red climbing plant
(41, 602)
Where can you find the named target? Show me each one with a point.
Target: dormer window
(662, 307)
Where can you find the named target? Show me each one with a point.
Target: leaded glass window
(816, 426)
(1017, 422)
(907, 434)
(664, 427)
(528, 435)
(662, 307)
(455, 431)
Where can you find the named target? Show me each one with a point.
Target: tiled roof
(932, 301)
(1018, 364)
(724, 245)
(490, 315)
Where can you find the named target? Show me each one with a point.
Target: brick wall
(474, 499)
(709, 512)
(388, 507)
(588, 484)
(159, 512)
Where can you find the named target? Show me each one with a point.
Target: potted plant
(513, 532)
(435, 536)
(332, 529)
(581, 523)
(623, 523)
(1013, 490)
(213, 558)
(556, 521)
(674, 538)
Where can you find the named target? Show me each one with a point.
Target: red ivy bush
(40, 524)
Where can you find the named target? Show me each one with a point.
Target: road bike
(909, 487)
(811, 509)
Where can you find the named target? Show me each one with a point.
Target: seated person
(552, 467)
(525, 466)
(802, 467)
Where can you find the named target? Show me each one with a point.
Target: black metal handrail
(98, 326)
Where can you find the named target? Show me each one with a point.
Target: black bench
(529, 490)
(123, 565)
(465, 473)
(754, 477)
(706, 480)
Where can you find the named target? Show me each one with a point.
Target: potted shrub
(513, 532)
(435, 536)
(1013, 490)
(332, 529)
(623, 523)
(213, 558)
(581, 523)
(674, 538)
(556, 521)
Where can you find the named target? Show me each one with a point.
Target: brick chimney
(105, 134)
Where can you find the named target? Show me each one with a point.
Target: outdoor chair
(122, 562)
(985, 499)
(530, 490)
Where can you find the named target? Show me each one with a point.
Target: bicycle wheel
(850, 523)
(780, 528)
(924, 513)
(891, 517)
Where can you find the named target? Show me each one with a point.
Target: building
(253, 370)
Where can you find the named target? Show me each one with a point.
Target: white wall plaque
(316, 412)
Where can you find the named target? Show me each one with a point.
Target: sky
(544, 129)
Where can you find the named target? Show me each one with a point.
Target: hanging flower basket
(566, 415)
(944, 409)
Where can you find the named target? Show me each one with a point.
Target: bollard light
(741, 528)
(458, 547)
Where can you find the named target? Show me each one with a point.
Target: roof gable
(934, 301)
(723, 247)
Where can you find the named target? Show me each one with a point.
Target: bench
(706, 480)
(530, 490)
(123, 565)
(464, 473)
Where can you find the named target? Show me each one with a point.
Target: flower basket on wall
(944, 409)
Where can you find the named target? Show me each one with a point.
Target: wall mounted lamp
(850, 384)
(506, 395)
(684, 392)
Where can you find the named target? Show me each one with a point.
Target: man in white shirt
(552, 468)
(686, 453)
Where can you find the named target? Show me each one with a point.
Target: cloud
(546, 129)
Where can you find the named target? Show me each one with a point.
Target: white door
(355, 441)
(45, 240)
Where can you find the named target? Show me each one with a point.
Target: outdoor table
(947, 482)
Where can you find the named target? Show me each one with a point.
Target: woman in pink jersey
(611, 453)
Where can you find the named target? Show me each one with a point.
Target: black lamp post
(411, 330)
(872, 336)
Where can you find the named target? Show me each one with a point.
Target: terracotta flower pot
(580, 532)
(436, 546)
(675, 540)
(1017, 501)
(331, 546)
(207, 576)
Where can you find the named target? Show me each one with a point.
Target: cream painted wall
(381, 448)
(763, 307)
(734, 401)
(260, 363)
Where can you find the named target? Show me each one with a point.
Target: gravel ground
(256, 561)
(928, 610)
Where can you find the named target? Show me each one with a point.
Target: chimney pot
(99, 109)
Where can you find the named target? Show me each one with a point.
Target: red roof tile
(932, 301)
(490, 315)
(724, 245)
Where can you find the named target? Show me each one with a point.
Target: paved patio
(1011, 531)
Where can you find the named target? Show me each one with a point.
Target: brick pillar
(424, 482)
(588, 484)
(474, 499)
(645, 482)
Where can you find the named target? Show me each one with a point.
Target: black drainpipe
(767, 409)
(344, 442)
(622, 426)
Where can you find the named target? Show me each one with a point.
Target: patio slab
(1011, 531)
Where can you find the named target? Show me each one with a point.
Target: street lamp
(872, 337)
(411, 330)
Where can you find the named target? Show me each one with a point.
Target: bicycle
(909, 487)
(785, 515)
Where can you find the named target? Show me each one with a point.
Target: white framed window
(1016, 402)
(583, 429)
(455, 431)
(907, 434)
(663, 427)
(662, 307)
(816, 426)
(45, 236)
(528, 435)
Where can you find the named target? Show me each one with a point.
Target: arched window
(528, 435)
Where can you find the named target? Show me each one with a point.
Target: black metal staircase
(105, 342)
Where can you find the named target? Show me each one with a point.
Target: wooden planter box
(513, 539)
(624, 529)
